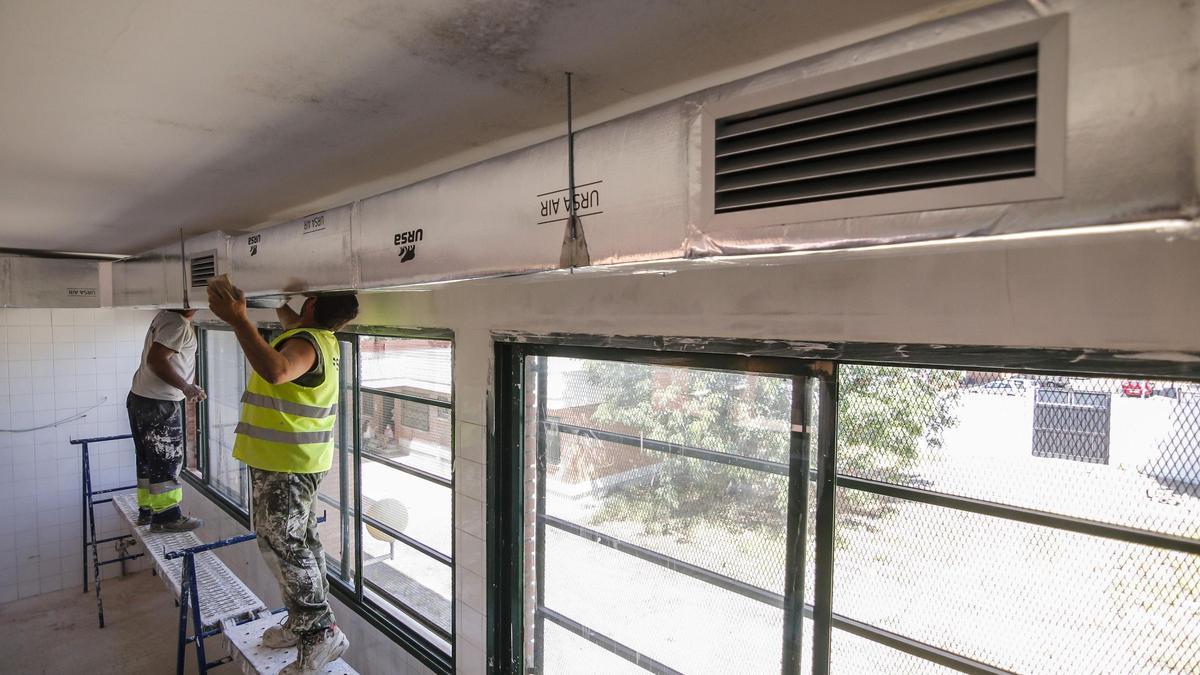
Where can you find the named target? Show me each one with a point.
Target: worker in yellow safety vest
(286, 436)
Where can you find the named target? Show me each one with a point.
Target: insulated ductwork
(204, 256)
(49, 282)
(955, 128)
(979, 124)
(305, 255)
(173, 275)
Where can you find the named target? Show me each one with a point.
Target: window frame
(356, 592)
(506, 484)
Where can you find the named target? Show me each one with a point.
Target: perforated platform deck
(254, 659)
(222, 593)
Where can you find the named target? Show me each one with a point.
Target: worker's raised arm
(276, 367)
(288, 317)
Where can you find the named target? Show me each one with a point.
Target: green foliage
(884, 415)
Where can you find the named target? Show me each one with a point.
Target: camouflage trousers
(157, 429)
(285, 518)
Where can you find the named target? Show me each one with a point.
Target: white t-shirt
(173, 331)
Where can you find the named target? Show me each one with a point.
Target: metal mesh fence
(853, 654)
(1023, 597)
(656, 534)
(661, 498)
(1090, 448)
(1020, 597)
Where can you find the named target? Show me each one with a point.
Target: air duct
(952, 129)
(49, 282)
(309, 254)
(173, 275)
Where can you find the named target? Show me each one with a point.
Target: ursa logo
(252, 241)
(407, 241)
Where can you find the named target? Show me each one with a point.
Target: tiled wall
(54, 364)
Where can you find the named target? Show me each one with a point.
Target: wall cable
(72, 418)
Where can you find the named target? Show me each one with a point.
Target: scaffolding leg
(201, 659)
(84, 516)
(183, 620)
(87, 480)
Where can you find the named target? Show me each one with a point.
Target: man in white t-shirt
(155, 405)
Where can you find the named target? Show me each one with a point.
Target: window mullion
(797, 526)
(826, 492)
(357, 501)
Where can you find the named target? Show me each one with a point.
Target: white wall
(53, 364)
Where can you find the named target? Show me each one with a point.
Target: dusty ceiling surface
(124, 121)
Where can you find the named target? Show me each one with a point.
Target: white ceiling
(122, 121)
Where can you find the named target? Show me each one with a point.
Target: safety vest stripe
(288, 407)
(276, 436)
(164, 487)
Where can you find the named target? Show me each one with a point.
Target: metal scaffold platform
(210, 596)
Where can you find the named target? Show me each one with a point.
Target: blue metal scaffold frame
(189, 599)
(89, 520)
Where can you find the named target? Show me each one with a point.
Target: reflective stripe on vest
(288, 407)
(295, 437)
(289, 427)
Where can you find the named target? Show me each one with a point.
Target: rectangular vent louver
(956, 125)
(203, 268)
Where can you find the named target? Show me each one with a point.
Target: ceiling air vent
(967, 123)
(203, 267)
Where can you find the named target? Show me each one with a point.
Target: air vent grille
(961, 124)
(203, 268)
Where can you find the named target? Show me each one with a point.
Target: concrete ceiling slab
(124, 121)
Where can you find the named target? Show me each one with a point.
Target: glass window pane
(607, 486)
(409, 504)
(400, 422)
(575, 655)
(414, 434)
(191, 437)
(408, 579)
(684, 623)
(1118, 451)
(420, 368)
(851, 654)
(735, 413)
(337, 489)
(227, 373)
(1020, 597)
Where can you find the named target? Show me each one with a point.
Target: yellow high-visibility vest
(289, 427)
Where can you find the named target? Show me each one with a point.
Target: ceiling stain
(492, 40)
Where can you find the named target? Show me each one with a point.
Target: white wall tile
(469, 516)
(52, 364)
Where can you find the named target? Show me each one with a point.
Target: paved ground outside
(1020, 597)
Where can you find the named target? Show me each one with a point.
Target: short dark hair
(334, 311)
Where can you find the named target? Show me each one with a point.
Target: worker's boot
(279, 636)
(316, 650)
(180, 524)
(144, 516)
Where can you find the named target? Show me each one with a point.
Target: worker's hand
(226, 300)
(194, 393)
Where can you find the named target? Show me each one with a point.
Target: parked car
(1018, 386)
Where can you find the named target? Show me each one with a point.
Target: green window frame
(430, 640)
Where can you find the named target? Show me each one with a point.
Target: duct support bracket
(574, 247)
